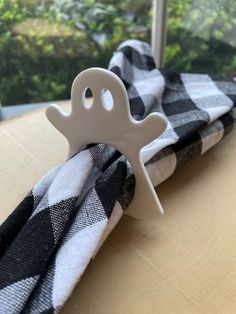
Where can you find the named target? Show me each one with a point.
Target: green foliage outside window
(44, 44)
(201, 36)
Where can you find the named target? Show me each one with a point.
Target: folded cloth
(48, 241)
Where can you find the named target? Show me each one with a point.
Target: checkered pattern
(48, 241)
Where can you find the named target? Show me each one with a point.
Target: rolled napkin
(49, 239)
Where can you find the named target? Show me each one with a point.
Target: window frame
(159, 30)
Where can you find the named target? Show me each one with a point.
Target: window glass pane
(201, 36)
(45, 44)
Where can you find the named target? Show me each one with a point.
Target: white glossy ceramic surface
(115, 126)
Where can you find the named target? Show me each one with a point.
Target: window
(201, 36)
(45, 44)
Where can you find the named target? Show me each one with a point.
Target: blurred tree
(44, 44)
(201, 36)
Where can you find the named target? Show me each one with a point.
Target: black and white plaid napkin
(47, 242)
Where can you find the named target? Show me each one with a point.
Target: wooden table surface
(182, 262)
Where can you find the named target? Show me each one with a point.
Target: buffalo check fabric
(49, 239)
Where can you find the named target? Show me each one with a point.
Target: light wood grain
(183, 262)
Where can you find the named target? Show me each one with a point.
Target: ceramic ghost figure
(112, 125)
